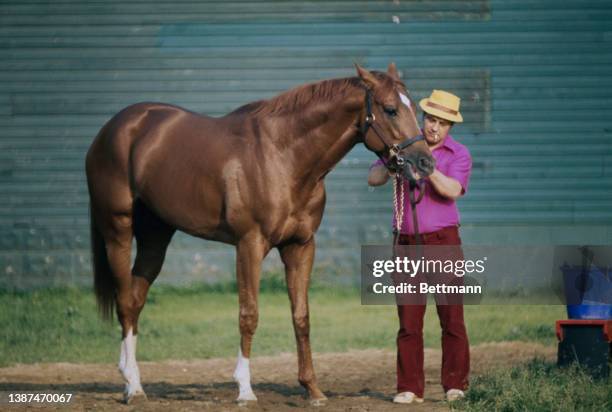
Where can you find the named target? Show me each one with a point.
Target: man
(438, 222)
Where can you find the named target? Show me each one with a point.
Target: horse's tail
(104, 281)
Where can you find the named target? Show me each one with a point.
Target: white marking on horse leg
(128, 366)
(242, 375)
(122, 356)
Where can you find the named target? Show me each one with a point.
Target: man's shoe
(454, 395)
(407, 397)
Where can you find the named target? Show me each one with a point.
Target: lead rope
(413, 204)
(398, 210)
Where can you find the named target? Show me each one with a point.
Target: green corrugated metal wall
(535, 76)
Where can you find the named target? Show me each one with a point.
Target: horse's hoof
(318, 402)
(246, 402)
(243, 403)
(135, 398)
(245, 398)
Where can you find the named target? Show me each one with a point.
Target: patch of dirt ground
(353, 381)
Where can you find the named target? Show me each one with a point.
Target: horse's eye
(390, 111)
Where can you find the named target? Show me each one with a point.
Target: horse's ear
(368, 78)
(392, 71)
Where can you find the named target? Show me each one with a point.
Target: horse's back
(135, 122)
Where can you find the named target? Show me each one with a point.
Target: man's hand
(379, 175)
(444, 185)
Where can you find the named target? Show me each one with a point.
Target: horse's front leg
(250, 252)
(298, 259)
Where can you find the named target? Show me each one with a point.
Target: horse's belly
(184, 212)
(191, 203)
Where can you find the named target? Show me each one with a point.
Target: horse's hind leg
(117, 231)
(152, 238)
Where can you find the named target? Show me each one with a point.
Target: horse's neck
(325, 140)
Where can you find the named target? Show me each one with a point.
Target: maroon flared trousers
(455, 346)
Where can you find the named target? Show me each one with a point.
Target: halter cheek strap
(369, 117)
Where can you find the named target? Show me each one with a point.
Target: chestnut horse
(253, 179)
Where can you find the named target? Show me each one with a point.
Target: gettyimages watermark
(537, 275)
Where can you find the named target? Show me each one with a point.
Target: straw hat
(442, 104)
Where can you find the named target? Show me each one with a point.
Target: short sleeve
(378, 162)
(460, 168)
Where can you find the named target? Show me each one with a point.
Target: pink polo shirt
(435, 212)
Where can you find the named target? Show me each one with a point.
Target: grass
(202, 322)
(537, 386)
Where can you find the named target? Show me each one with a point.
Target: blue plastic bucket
(588, 294)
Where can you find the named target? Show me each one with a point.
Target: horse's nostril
(424, 162)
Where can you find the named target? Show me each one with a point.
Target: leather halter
(393, 149)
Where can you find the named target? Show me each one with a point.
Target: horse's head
(389, 126)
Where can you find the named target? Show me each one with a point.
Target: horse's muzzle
(414, 167)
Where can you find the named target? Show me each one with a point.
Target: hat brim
(456, 118)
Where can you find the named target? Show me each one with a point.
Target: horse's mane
(294, 100)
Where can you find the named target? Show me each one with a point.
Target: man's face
(435, 128)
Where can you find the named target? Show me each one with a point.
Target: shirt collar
(450, 144)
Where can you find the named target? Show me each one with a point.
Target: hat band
(442, 108)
